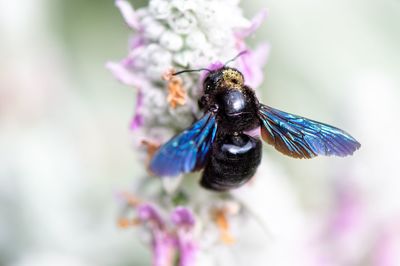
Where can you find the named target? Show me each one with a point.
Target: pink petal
(128, 13)
(163, 243)
(184, 219)
(162, 248)
(182, 216)
(251, 64)
(213, 66)
(386, 250)
(138, 119)
(149, 213)
(260, 54)
(136, 42)
(255, 24)
(348, 213)
(187, 248)
(124, 75)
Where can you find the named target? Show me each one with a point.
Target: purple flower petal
(125, 76)
(182, 216)
(163, 243)
(163, 248)
(138, 119)
(184, 219)
(348, 212)
(148, 213)
(213, 66)
(260, 54)
(255, 24)
(187, 249)
(251, 64)
(386, 250)
(128, 13)
(136, 42)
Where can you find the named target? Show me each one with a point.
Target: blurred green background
(65, 147)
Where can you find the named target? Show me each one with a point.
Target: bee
(218, 142)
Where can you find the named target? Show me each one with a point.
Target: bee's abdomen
(234, 160)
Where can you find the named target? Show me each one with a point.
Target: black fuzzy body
(233, 161)
(234, 156)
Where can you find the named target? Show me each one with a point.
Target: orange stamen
(176, 92)
(151, 147)
(223, 225)
(125, 222)
(131, 199)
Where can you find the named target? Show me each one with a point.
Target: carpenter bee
(218, 143)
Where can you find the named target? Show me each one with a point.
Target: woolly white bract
(172, 36)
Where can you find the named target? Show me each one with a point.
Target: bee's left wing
(300, 137)
(187, 151)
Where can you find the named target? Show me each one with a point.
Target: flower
(171, 35)
(182, 34)
(169, 235)
(162, 241)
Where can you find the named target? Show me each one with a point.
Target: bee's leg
(200, 103)
(203, 101)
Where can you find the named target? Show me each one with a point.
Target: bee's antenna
(190, 70)
(237, 56)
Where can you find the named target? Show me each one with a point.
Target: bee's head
(224, 77)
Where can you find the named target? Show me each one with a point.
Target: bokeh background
(65, 147)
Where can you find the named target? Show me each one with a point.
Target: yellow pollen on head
(232, 78)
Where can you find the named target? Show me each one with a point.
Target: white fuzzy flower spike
(170, 36)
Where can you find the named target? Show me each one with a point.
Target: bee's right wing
(187, 151)
(300, 137)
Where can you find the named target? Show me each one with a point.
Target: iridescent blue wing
(187, 151)
(300, 137)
